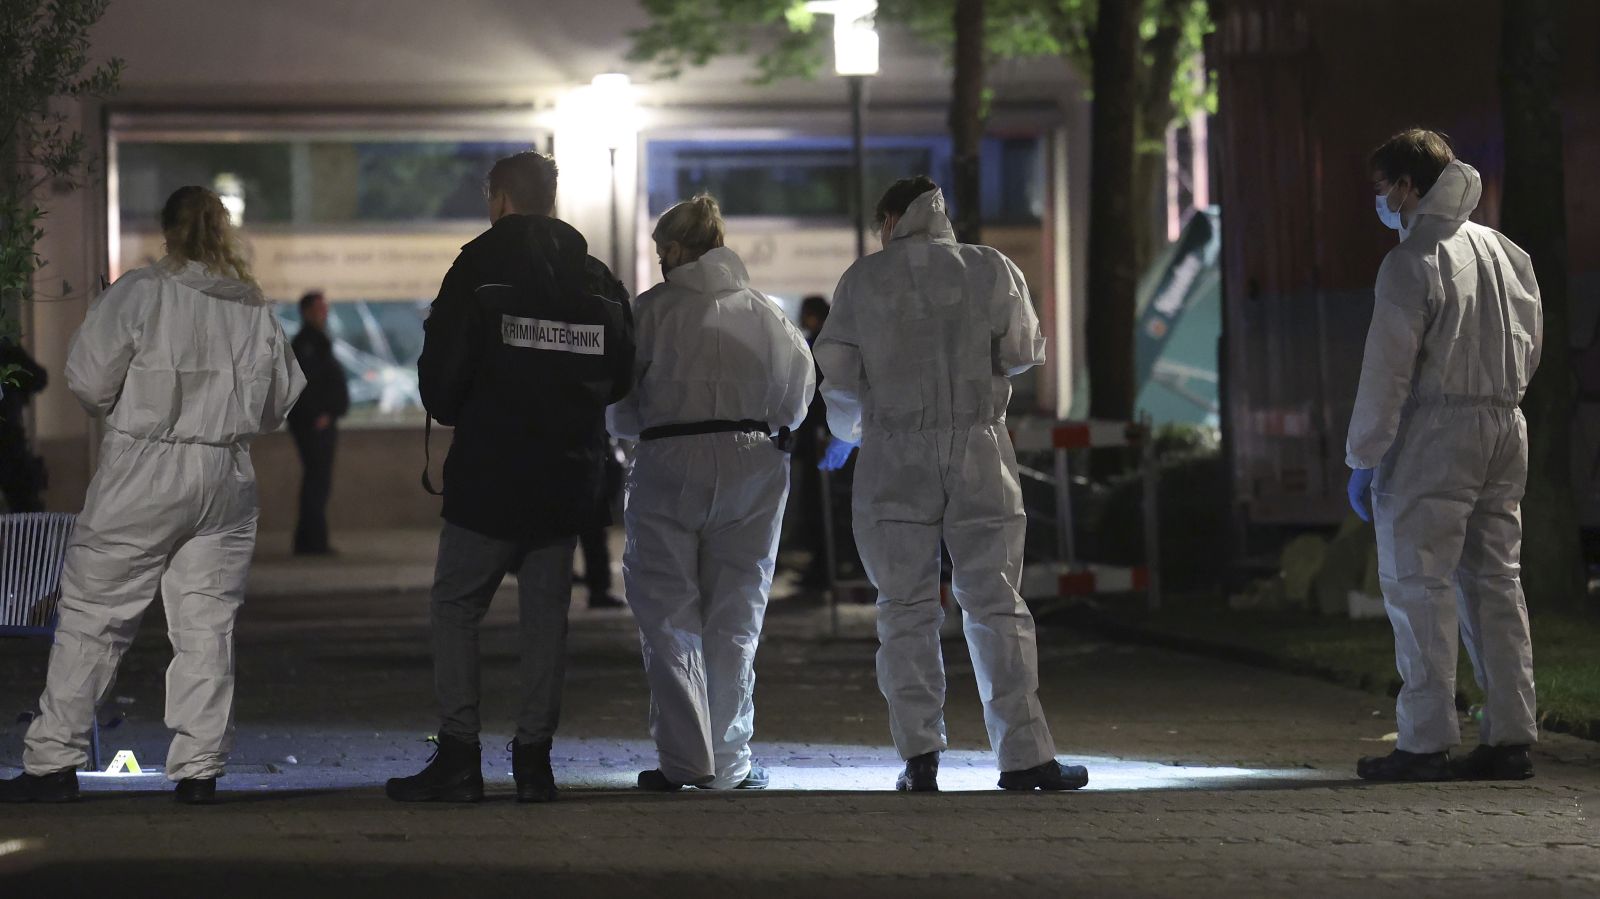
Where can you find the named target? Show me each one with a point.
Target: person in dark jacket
(528, 342)
(314, 422)
(21, 472)
(807, 453)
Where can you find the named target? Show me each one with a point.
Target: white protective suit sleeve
(1400, 317)
(793, 365)
(1522, 270)
(1019, 344)
(287, 381)
(97, 361)
(838, 354)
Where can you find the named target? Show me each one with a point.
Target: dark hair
(815, 305)
(900, 195)
(1416, 153)
(309, 299)
(528, 180)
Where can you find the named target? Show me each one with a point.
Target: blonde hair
(695, 224)
(197, 229)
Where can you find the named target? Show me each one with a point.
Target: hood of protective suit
(1455, 195)
(926, 216)
(718, 271)
(197, 276)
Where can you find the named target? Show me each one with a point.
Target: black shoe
(454, 774)
(1402, 766)
(1051, 776)
(530, 765)
(656, 782)
(196, 791)
(921, 774)
(605, 601)
(61, 786)
(1494, 763)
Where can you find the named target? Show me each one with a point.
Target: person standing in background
(808, 452)
(596, 542)
(21, 472)
(314, 422)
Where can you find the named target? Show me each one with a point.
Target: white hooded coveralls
(703, 512)
(1455, 338)
(185, 367)
(915, 360)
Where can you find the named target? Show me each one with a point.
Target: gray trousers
(469, 571)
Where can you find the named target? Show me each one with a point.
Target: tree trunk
(1112, 278)
(966, 120)
(1158, 66)
(1533, 213)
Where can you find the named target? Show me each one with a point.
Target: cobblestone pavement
(1207, 779)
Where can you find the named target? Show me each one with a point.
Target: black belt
(783, 440)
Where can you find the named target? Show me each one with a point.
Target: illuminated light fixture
(855, 34)
(610, 107)
(230, 188)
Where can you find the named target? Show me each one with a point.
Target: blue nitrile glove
(838, 453)
(1361, 493)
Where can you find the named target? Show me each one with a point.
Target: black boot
(921, 774)
(454, 774)
(656, 782)
(196, 791)
(530, 765)
(1051, 776)
(60, 786)
(1402, 766)
(1494, 763)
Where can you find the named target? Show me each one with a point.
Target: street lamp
(612, 110)
(855, 56)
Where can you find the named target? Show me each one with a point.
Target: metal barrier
(1068, 575)
(33, 549)
(33, 546)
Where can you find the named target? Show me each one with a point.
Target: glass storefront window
(374, 222)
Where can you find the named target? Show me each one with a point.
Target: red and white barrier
(1049, 579)
(1067, 576)
(1030, 437)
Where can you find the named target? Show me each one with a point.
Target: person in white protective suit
(185, 363)
(722, 379)
(916, 359)
(1439, 451)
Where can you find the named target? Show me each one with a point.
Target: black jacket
(528, 343)
(30, 379)
(326, 392)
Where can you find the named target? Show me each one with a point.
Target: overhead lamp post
(612, 109)
(855, 56)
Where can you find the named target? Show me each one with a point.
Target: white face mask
(1390, 217)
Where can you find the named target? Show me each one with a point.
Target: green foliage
(781, 34)
(787, 41)
(44, 59)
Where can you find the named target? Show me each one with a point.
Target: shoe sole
(1493, 776)
(1446, 777)
(1046, 786)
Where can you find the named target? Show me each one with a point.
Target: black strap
(715, 426)
(427, 455)
(783, 440)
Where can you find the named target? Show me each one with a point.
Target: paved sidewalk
(1207, 779)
